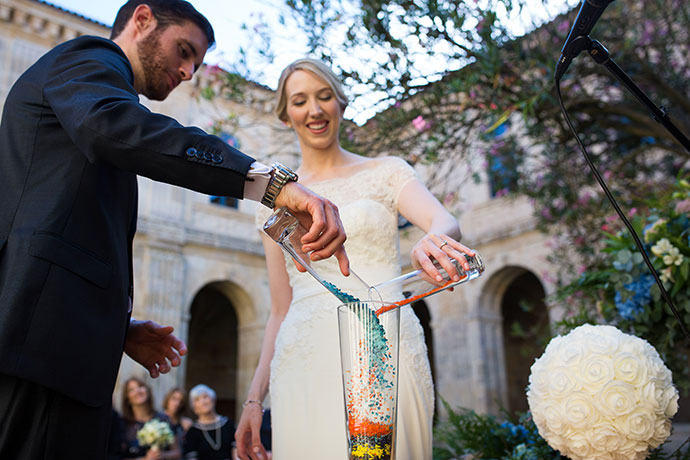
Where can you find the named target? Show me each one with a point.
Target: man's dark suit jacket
(72, 140)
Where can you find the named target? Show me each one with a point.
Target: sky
(227, 18)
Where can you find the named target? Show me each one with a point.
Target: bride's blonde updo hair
(319, 69)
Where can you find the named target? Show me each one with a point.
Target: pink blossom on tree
(421, 124)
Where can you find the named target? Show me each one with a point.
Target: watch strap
(281, 175)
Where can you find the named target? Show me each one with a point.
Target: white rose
(669, 401)
(638, 346)
(605, 437)
(561, 381)
(629, 447)
(553, 416)
(581, 412)
(602, 456)
(661, 433)
(595, 371)
(636, 455)
(571, 354)
(639, 424)
(657, 368)
(616, 398)
(651, 393)
(539, 377)
(578, 446)
(662, 398)
(629, 368)
(600, 339)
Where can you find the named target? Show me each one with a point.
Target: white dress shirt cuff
(257, 180)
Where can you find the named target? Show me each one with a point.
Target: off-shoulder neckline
(378, 162)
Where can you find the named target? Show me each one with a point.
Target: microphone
(577, 41)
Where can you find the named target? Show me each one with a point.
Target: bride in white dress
(300, 358)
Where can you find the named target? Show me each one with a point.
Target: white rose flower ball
(598, 393)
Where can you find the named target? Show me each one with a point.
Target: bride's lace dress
(307, 405)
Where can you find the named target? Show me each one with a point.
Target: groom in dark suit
(73, 139)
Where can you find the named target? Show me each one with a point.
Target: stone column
(485, 344)
(162, 302)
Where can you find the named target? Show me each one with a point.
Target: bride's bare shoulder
(374, 162)
(390, 162)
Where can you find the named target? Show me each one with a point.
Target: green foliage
(218, 83)
(466, 434)
(485, 437)
(619, 289)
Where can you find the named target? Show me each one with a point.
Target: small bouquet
(598, 393)
(156, 434)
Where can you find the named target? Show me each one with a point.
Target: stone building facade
(199, 262)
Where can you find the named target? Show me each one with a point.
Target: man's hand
(154, 346)
(326, 234)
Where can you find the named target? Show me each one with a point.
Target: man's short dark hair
(166, 12)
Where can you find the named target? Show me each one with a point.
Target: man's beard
(156, 84)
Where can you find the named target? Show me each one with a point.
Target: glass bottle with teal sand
(285, 229)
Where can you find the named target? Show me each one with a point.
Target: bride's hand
(439, 247)
(247, 435)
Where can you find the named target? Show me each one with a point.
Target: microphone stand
(601, 55)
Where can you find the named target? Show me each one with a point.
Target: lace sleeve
(400, 173)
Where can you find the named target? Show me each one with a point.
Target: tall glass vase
(369, 357)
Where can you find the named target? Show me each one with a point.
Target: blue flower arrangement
(485, 436)
(630, 307)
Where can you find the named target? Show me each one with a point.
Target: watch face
(289, 173)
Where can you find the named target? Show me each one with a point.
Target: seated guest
(137, 409)
(211, 436)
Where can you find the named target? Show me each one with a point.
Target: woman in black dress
(211, 437)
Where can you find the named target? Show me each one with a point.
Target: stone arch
(216, 313)
(516, 295)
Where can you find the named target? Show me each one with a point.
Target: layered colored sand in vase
(365, 445)
(370, 386)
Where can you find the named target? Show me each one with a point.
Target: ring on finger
(443, 244)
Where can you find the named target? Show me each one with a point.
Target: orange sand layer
(367, 428)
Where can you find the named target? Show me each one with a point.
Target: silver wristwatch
(280, 176)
